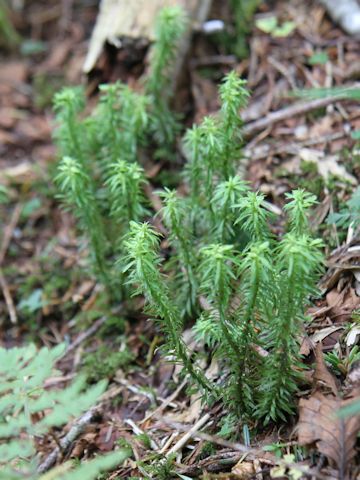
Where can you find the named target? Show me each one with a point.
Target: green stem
(169, 317)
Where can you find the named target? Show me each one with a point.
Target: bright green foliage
(214, 147)
(99, 176)
(350, 214)
(28, 410)
(222, 253)
(121, 121)
(299, 204)
(298, 260)
(233, 96)
(70, 134)
(126, 183)
(78, 194)
(142, 245)
(256, 300)
(253, 216)
(184, 259)
(170, 27)
(226, 196)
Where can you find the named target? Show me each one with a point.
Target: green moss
(104, 363)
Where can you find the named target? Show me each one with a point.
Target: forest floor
(46, 296)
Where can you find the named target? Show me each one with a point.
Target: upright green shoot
(78, 195)
(170, 27)
(143, 261)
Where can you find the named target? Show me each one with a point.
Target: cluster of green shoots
(244, 289)
(99, 177)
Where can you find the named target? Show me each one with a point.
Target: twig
(193, 433)
(8, 298)
(166, 402)
(138, 431)
(76, 430)
(287, 112)
(65, 442)
(85, 335)
(264, 151)
(251, 453)
(9, 230)
(178, 445)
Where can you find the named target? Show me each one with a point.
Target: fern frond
(24, 402)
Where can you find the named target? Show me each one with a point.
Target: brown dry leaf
(13, 72)
(327, 164)
(243, 470)
(334, 437)
(322, 376)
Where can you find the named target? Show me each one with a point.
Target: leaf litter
(22, 146)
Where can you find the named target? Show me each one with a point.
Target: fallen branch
(76, 430)
(286, 113)
(69, 438)
(9, 230)
(8, 298)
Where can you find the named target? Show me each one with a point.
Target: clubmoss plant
(299, 259)
(78, 195)
(184, 259)
(121, 121)
(70, 134)
(126, 183)
(256, 301)
(244, 288)
(143, 262)
(170, 27)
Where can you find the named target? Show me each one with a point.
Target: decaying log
(122, 21)
(346, 13)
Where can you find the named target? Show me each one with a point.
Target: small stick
(8, 299)
(138, 431)
(251, 453)
(191, 433)
(258, 153)
(9, 230)
(166, 402)
(76, 430)
(65, 442)
(251, 128)
(85, 335)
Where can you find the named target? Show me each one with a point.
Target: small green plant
(4, 195)
(348, 215)
(9, 37)
(244, 11)
(244, 291)
(29, 410)
(170, 27)
(103, 364)
(99, 176)
(342, 363)
(244, 288)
